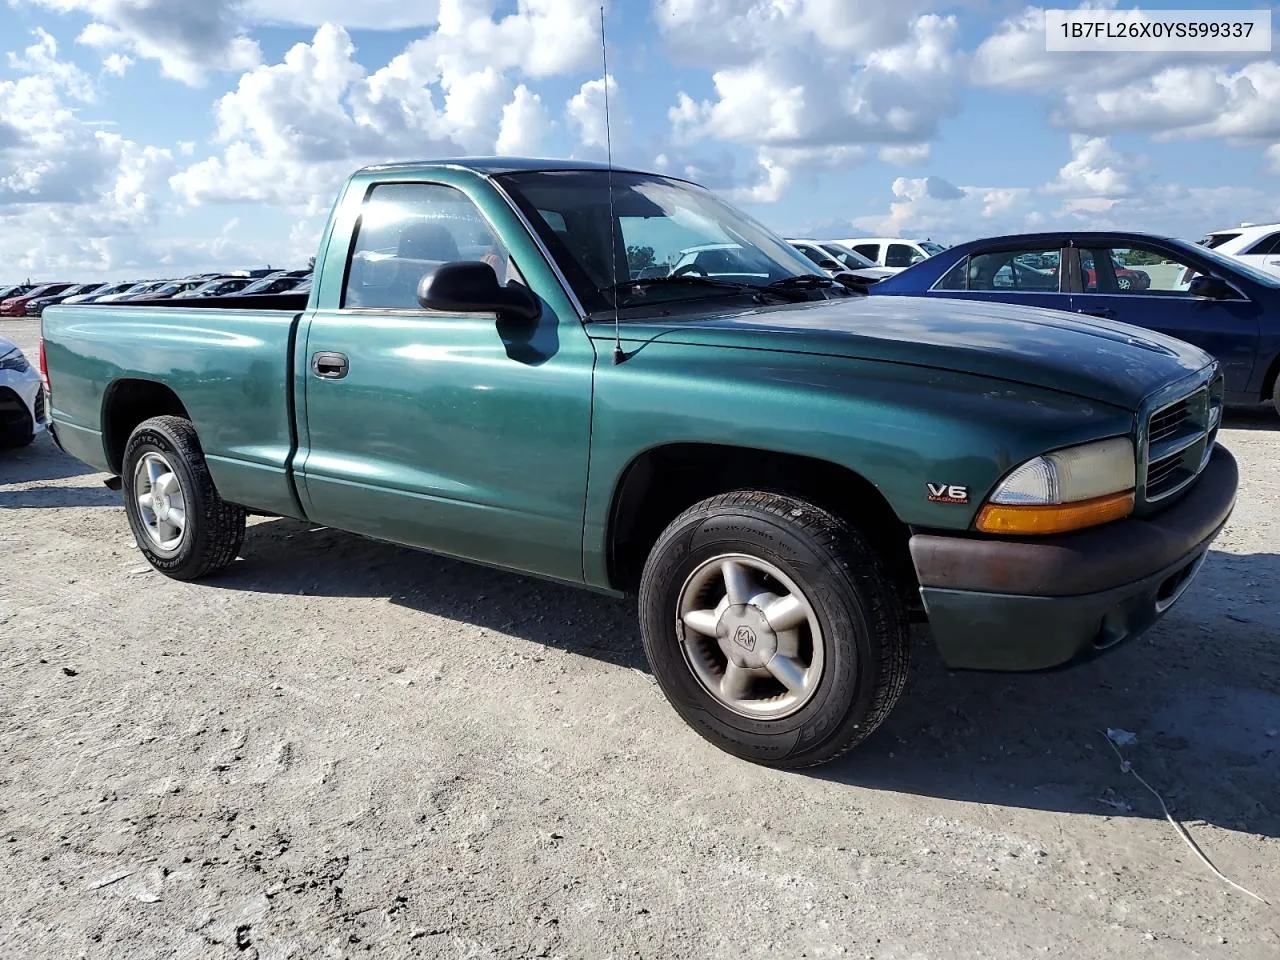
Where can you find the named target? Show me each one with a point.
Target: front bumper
(1035, 604)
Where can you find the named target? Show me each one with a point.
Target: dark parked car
(36, 306)
(219, 287)
(276, 283)
(16, 306)
(1185, 290)
(166, 292)
(105, 290)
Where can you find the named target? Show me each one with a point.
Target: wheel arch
(1269, 381)
(126, 403)
(661, 482)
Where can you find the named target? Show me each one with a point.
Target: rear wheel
(185, 530)
(1275, 394)
(773, 628)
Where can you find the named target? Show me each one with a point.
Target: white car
(22, 414)
(893, 253)
(836, 258)
(1257, 244)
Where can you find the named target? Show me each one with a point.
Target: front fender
(898, 426)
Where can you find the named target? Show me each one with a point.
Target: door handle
(330, 366)
(1106, 313)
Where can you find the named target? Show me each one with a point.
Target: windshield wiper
(807, 281)
(756, 290)
(801, 281)
(687, 278)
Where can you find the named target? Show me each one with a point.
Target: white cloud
(1095, 170)
(906, 155)
(74, 197)
(1185, 102)
(116, 64)
(524, 125)
(187, 38)
(292, 130)
(1168, 94)
(1098, 188)
(365, 15)
(585, 114)
(814, 81)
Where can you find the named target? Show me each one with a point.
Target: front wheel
(773, 628)
(185, 530)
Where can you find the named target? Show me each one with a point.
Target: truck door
(447, 432)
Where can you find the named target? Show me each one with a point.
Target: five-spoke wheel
(161, 501)
(773, 627)
(750, 636)
(182, 526)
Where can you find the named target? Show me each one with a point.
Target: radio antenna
(618, 355)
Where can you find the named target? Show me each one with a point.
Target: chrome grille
(1167, 422)
(1178, 440)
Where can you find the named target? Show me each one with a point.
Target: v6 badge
(947, 493)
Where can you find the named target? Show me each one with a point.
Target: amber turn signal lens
(1054, 518)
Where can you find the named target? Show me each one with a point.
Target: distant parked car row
(31, 300)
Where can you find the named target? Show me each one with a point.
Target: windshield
(1231, 264)
(931, 248)
(258, 286)
(661, 229)
(848, 258)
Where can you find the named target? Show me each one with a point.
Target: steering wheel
(689, 268)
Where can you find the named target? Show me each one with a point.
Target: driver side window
(406, 231)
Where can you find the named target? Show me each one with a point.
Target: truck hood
(1100, 360)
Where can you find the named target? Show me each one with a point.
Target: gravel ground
(345, 749)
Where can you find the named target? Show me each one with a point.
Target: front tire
(181, 525)
(773, 628)
(18, 431)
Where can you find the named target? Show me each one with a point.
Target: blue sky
(153, 137)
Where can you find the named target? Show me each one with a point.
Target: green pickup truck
(613, 379)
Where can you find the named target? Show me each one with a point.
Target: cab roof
(497, 166)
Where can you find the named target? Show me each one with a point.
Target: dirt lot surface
(345, 749)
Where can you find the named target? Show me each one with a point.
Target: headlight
(1066, 490)
(14, 360)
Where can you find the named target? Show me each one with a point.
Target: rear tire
(1275, 394)
(809, 666)
(181, 525)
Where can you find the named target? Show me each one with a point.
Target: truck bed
(228, 359)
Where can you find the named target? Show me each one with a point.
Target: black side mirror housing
(1208, 287)
(471, 286)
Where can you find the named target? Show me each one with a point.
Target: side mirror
(829, 265)
(470, 286)
(1207, 287)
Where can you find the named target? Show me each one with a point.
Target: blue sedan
(1185, 290)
